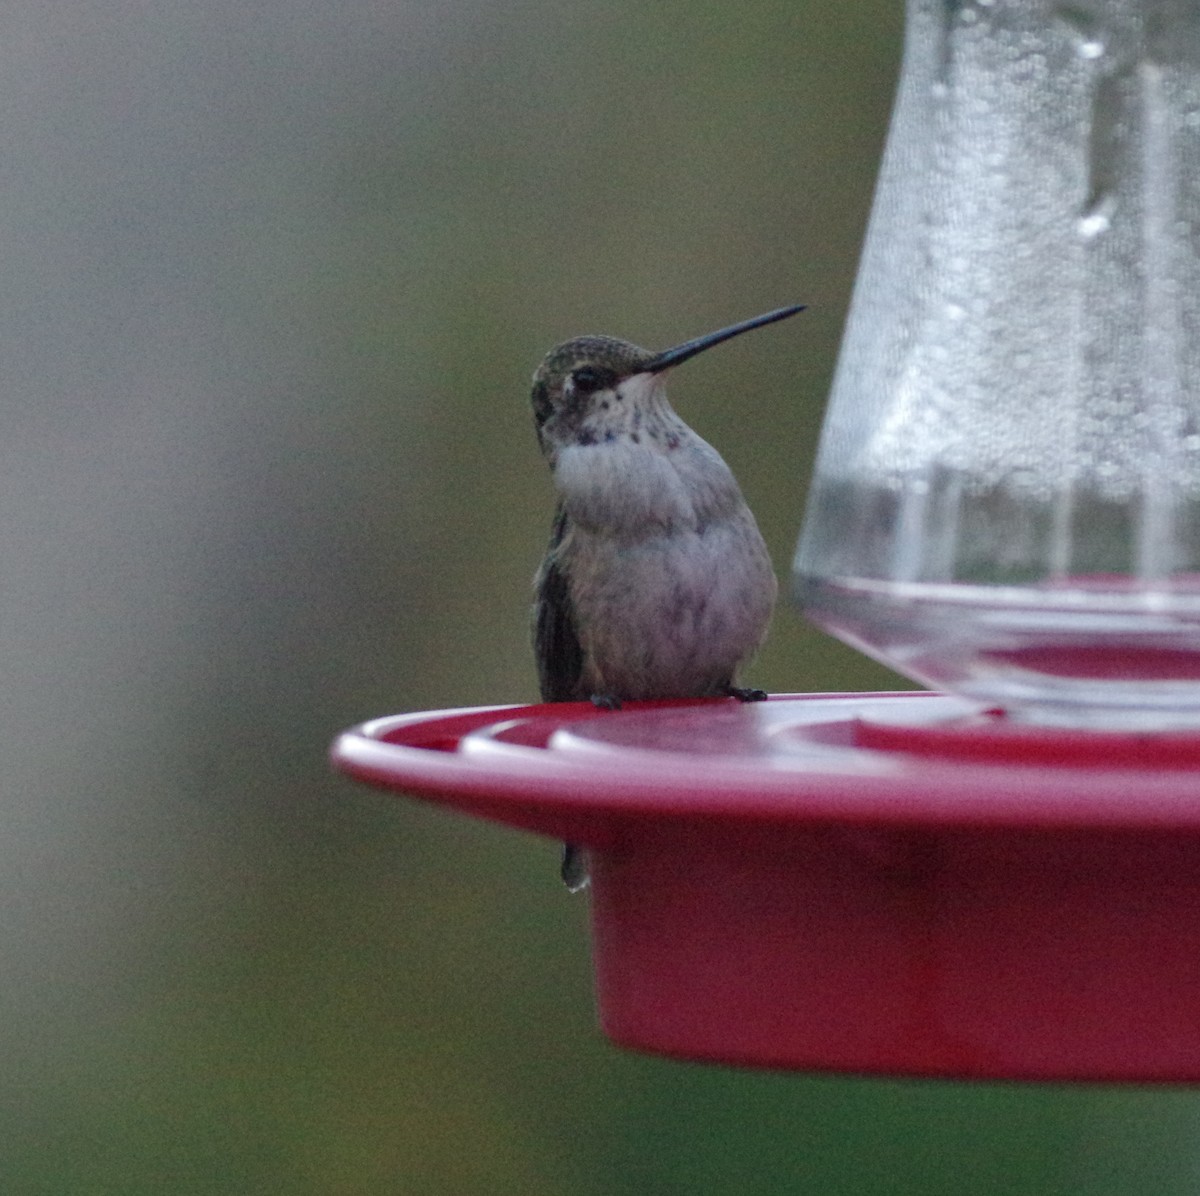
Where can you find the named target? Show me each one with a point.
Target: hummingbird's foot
(574, 868)
(746, 695)
(608, 702)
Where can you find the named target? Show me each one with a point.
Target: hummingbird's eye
(590, 378)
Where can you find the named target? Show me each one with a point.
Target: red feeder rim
(877, 883)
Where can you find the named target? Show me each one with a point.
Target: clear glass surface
(1007, 494)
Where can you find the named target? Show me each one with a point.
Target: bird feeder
(1003, 880)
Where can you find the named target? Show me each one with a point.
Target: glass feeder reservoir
(1007, 494)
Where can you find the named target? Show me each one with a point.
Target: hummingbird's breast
(674, 615)
(644, 482)
(670, 580)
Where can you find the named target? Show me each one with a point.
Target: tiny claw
(745, 695)
(608, 702)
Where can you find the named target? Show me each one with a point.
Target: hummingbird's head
(596, 389)
(586, 389)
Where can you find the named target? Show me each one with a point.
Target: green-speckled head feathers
(571, 373)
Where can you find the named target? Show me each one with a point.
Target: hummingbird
(656, 582)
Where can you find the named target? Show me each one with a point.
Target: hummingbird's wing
(559, 658)
(556, 644)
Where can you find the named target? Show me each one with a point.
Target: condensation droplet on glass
(955, 311)
(1083, 24)
(1097, 216)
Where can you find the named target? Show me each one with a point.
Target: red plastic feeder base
(872, 883)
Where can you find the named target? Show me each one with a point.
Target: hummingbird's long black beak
(676, 356)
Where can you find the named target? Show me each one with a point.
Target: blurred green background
(276, 276)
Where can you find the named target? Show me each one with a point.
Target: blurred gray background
(276, 276)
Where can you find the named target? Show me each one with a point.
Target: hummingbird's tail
(574, 868)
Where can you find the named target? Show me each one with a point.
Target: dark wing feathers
(555, 642)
